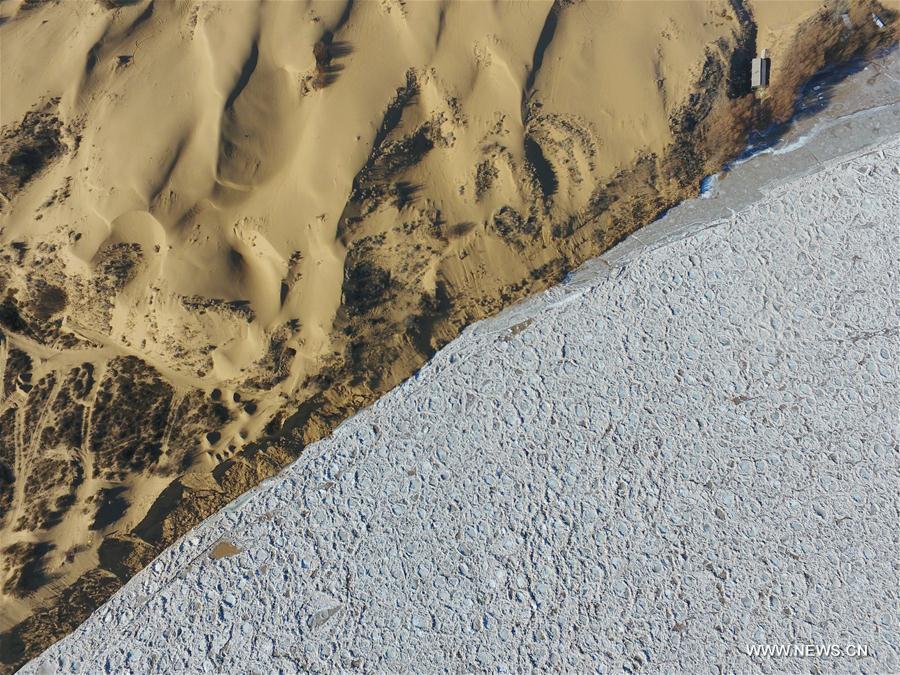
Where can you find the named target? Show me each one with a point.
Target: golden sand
(226, 226)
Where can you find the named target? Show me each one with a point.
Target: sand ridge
(227, 226)
(541, 498)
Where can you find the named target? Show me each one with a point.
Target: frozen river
(685, 454)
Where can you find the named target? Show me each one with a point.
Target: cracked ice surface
(690, 454)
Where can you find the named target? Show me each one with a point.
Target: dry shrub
(824, 39)
(725, 131)
(48, 300)
(29, 147)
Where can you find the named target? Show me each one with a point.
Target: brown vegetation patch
(129, 420)
(29, 147)
(224, 549)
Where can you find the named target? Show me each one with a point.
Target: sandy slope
(644, 470)
(225, 221)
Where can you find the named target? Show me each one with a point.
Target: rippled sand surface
(227, 226)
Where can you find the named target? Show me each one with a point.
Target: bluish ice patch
(708, 186)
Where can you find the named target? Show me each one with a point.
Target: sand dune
(640, 526)
(228, 225)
